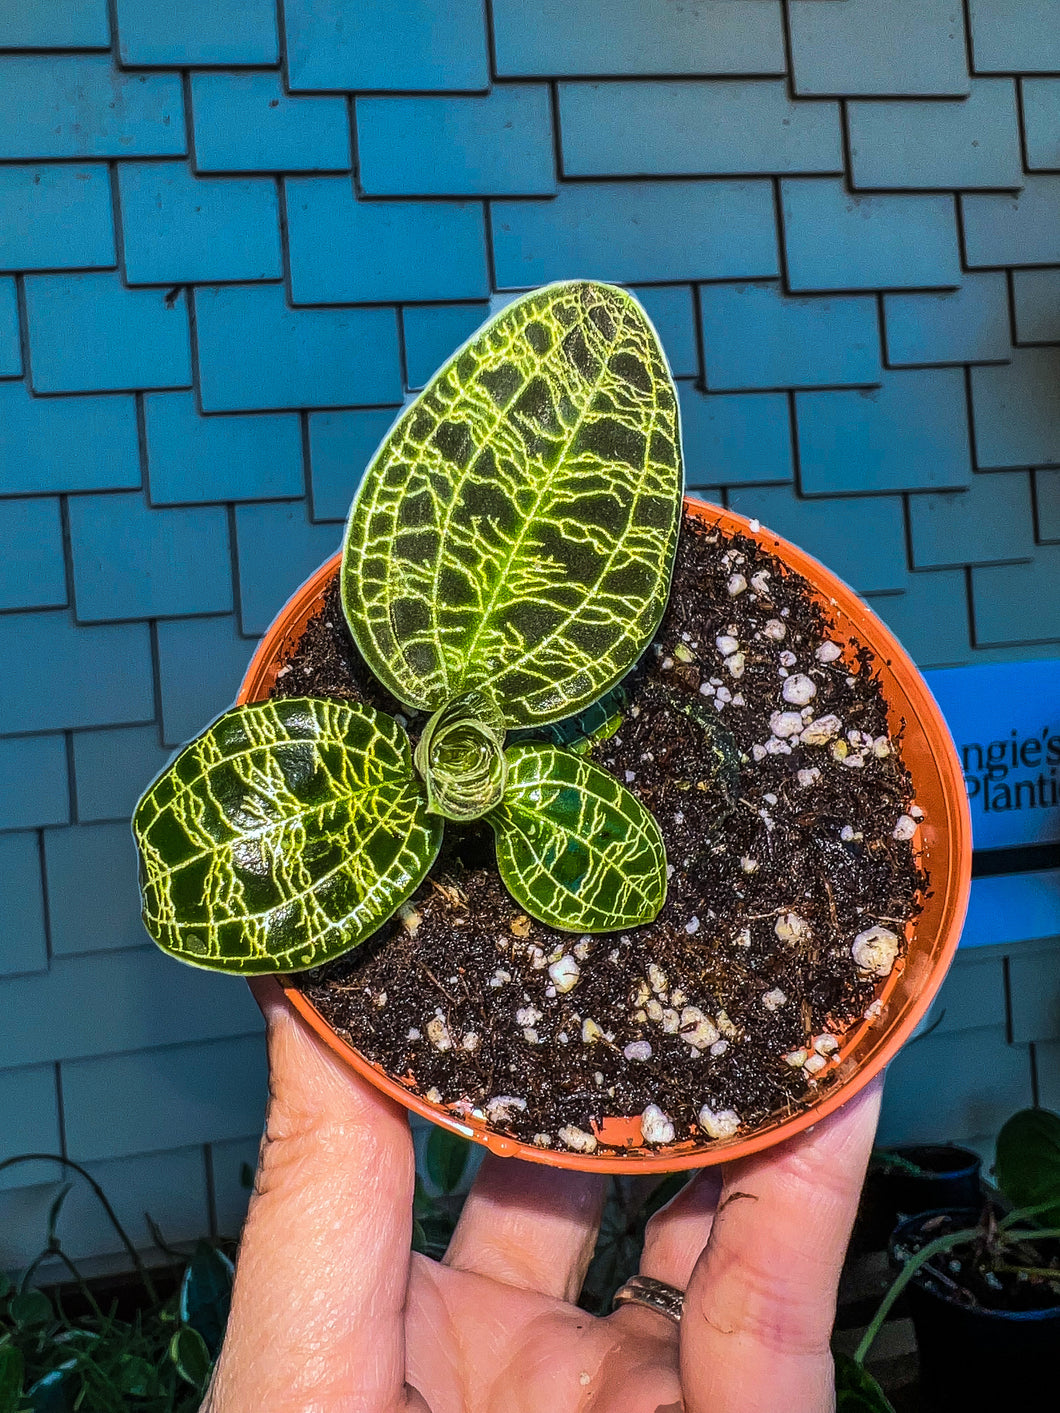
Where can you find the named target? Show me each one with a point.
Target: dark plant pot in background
(950, 1179)
(974, 1360)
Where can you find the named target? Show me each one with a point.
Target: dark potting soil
(782, 851)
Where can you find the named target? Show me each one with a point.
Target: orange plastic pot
(943, 838)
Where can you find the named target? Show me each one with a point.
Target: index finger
(760, 1307)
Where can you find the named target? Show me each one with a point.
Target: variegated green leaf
(283, 836)
(574, 847)
(517, 528)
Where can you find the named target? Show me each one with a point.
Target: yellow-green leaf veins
(574, 847)
(517, 527)
(506, 562)
(283, 836)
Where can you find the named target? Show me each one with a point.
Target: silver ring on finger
(656, 1295)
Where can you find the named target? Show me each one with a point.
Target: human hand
(332, 1313)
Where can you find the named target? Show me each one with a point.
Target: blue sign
(1013, 907)
(1005, 721)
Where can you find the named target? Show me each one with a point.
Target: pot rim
(944, 837)
(968, 1216)
(972, 1163)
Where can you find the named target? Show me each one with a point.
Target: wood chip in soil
(781, 853)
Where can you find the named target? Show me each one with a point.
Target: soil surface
(763, 752)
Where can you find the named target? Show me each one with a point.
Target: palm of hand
(331, 1315)
(474, 1343)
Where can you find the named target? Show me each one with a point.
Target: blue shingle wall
(56, 217)
(10, 351)
(711, 128)
(61, 24)
(1041, 122)
(93, 333)
(178, 228)
(235, 235)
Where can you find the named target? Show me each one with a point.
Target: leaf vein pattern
(290, 850)
(517, 529)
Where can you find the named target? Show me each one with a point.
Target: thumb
(761, 1302)
(317, 1316)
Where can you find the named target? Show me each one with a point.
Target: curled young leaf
(461, 757)
(574, 848)
(283, 836)
(518, 526)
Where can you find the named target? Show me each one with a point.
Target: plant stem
(905, 1275)
(1022, 1213)
(82, 1284)
(123, 1235)
(920, 1258)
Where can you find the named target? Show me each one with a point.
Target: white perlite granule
(499, 1109)
(790, 927)
(637, 1050)
(656, 1126)
(697, 1029)
(564, 974)
(799, 689)
(577, 1139)
(718, 1123)
(438, 1034)
(821, 731)
(785, 723)
(875, 950)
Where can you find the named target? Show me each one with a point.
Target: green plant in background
(1028, 1173)
(158, 1360)
(507, 560)
(1028, 1163)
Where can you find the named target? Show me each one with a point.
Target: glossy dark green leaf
(206, 1294)
(856, 1389)
(1028, 1163)
(30, 1308)
(11, 1371)
(574, 848)
(283, 836)
(189, 1354)
(517, 528)
(447, 1155)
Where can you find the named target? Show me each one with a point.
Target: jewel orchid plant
(506, 562)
